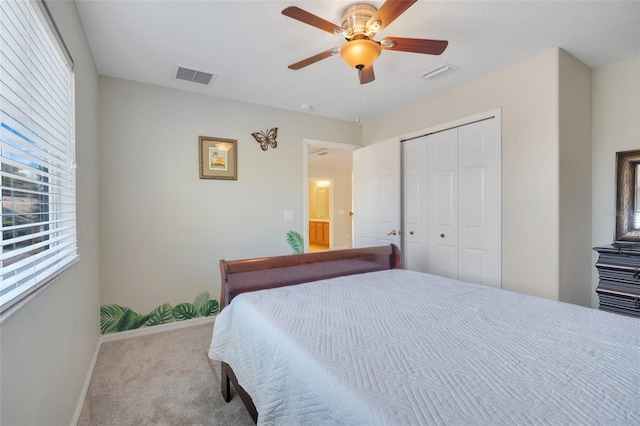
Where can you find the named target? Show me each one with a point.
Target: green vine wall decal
(295, 241)
(115, 318)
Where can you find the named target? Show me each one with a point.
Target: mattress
(399, 347)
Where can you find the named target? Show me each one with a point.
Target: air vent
(439, 70)
(195, 76)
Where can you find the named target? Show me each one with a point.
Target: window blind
(37, 151)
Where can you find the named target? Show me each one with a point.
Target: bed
(348, 337)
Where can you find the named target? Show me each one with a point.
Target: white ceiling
(249, 44)
(321, 157)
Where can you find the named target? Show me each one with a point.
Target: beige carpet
(160, 379)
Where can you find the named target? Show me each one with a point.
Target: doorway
(328, 182)
(320, 205)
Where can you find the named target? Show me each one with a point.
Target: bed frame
(240, 276)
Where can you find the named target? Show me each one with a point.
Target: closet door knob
(441, 235)
(411, 232)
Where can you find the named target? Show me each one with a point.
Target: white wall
(48, 343)
(527, 93)
(575, 180)
(163, 230)
(616, 127)
(319, 200)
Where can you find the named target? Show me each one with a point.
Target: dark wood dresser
(619, 285)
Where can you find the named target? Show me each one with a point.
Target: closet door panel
(472, 197)
(479, 203)
(442, 206)
(414, 226)
(472, 265)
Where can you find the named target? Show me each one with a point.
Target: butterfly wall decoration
(266, 139)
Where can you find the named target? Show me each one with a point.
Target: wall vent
(194, 76)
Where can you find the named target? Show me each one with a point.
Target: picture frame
(218, 158)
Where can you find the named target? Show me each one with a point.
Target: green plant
(295, 241)
(115, 318)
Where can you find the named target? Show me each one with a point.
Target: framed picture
(218, 158)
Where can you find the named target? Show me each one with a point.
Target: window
(37, 151)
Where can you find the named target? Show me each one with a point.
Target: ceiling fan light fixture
(360, 53)
(361, 22)
(355, 19)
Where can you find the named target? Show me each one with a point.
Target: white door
(376, 194)
(414, 202)
(442, 209)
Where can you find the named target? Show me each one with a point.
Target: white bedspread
(400, 347)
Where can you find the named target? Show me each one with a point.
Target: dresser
(619, 285)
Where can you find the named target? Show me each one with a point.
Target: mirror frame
(626, 190)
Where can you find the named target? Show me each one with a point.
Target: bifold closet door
(442, 203)
(414, 204)
(479, 203)
(451, 203)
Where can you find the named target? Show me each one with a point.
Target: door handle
(393, 232)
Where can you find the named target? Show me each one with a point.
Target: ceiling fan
(360, 23)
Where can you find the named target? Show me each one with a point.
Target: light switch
(288, 215)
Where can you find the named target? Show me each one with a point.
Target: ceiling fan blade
(310, 19)
(313, 59)
(366, 75)
(415, 45)
(389, 11)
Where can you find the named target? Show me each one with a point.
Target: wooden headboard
(240, 276)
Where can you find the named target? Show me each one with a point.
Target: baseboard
(85, 387)
(156, 329)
